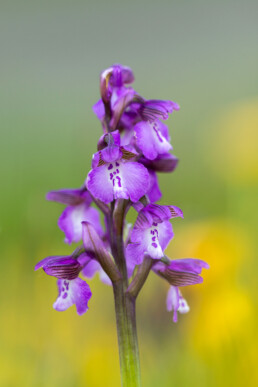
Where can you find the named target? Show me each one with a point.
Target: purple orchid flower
(180, 272)
(72, 292)
(152, 232)
(78, 209)
(71, 289)
(113, 176)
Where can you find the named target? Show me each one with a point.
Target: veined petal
(161, 213)
(144, 220)
(70, 197)
(189, 265)
(152, 138)
(154, 108)
(71, 218)
(64, 267)
(72, 292)
(181, 272)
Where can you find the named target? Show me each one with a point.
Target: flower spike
(133, 148)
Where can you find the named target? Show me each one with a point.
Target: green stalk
(124, 302)
(127, 336)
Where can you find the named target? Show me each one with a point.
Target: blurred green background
(202, 55)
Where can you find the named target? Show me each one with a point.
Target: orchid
(71, 289)
(133, 148)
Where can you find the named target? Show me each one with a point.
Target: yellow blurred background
(204, 56)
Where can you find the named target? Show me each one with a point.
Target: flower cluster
(134, 146)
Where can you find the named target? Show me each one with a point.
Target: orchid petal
(152, 138)
(71, 292)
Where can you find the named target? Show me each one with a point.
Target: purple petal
(71, 218)
(99, 184)
(70, 197)
(72, 292)
(121, 75)
(96, 158)
(163, 163)
(135, 254)
(176, 302)
(136, 180)
(154, 194)
(165, 233)
(91, 269)
(104, 277)
(46, 260)
(99, 109)
(158, 109)
(188, 265)
(160, 213)
(179, 273)
(173, 301)
(127, 121)
(111, 153)
(147, 242)
(124, 180)
(130, 267)
(144, 220)
(152, 138)
(94, 267)
(65, 267)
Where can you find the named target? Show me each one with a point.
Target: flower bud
(93, 242)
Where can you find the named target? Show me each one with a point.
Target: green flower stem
(124, 302)
(127, 336)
